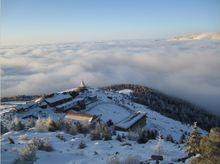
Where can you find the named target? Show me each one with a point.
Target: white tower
(82, 84)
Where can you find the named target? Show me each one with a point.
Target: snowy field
(98, 152)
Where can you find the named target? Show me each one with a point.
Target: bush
(133, 136)
(182, 139)
(4, 129)
(23, 137)
(70, 128)
(152, 134)
(30, 123)
(113, 160)
(159, 147)
(28, 153)
(169, 138)
(51, 124)
(41, 125)
(95, 135)
(61, 137)
(192, 144)
(42, 144)
(82, 145)
(106, 134)
(119, 138)
(61, 124)
(82, 128)
(214, 135)
(123, 136)
(131, 160)
(16, 124)
(142, 136)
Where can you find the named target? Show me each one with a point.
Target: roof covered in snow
(69, 104)
(131, 120)
(24, 106)
(58, 97)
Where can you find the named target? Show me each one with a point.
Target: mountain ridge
(197, 36)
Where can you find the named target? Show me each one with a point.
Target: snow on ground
(95, 151)
(154, 120)
(7, 106)
(110, 105)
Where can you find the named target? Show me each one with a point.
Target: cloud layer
(187, 69)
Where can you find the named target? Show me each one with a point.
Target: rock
(124, 144)
(11, 141)
(157, 157)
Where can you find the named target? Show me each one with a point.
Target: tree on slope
(159, 147)
(209, 148)
(193, 141)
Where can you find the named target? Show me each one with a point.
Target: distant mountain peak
(198, 36)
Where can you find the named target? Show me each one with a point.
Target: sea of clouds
(187, 69)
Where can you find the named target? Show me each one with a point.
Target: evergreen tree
(193, 141)
(209, 148)
(3, 129)
(182, 139)
(170, 138)
(159, 147)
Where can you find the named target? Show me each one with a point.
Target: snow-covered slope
(116, 106)
(198, 36)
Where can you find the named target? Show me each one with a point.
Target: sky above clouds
(49, 21)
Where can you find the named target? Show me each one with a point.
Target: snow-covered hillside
(107, 105)
(198, 36)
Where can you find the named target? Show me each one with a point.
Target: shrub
(169, 138)
(182, 139)
(70, 128)
(133, 136)
(95, 134)
(192, 144)
(16, 124)
(4, 129)
(152, 134)
(123, 136)
(41, 125)
(51, 125)
(61, 124)
(82, 128)
(106, 134)
(214, 135)
(42, 144)
(30, 123)
(119, 138)
(131, 160)
(142, 136)
(23, 137)
(82, 145)
(159, 147)
(113, 160)
(209, 148)
(28, 153)
(61, 137)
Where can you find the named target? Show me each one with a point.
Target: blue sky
(47, 21)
